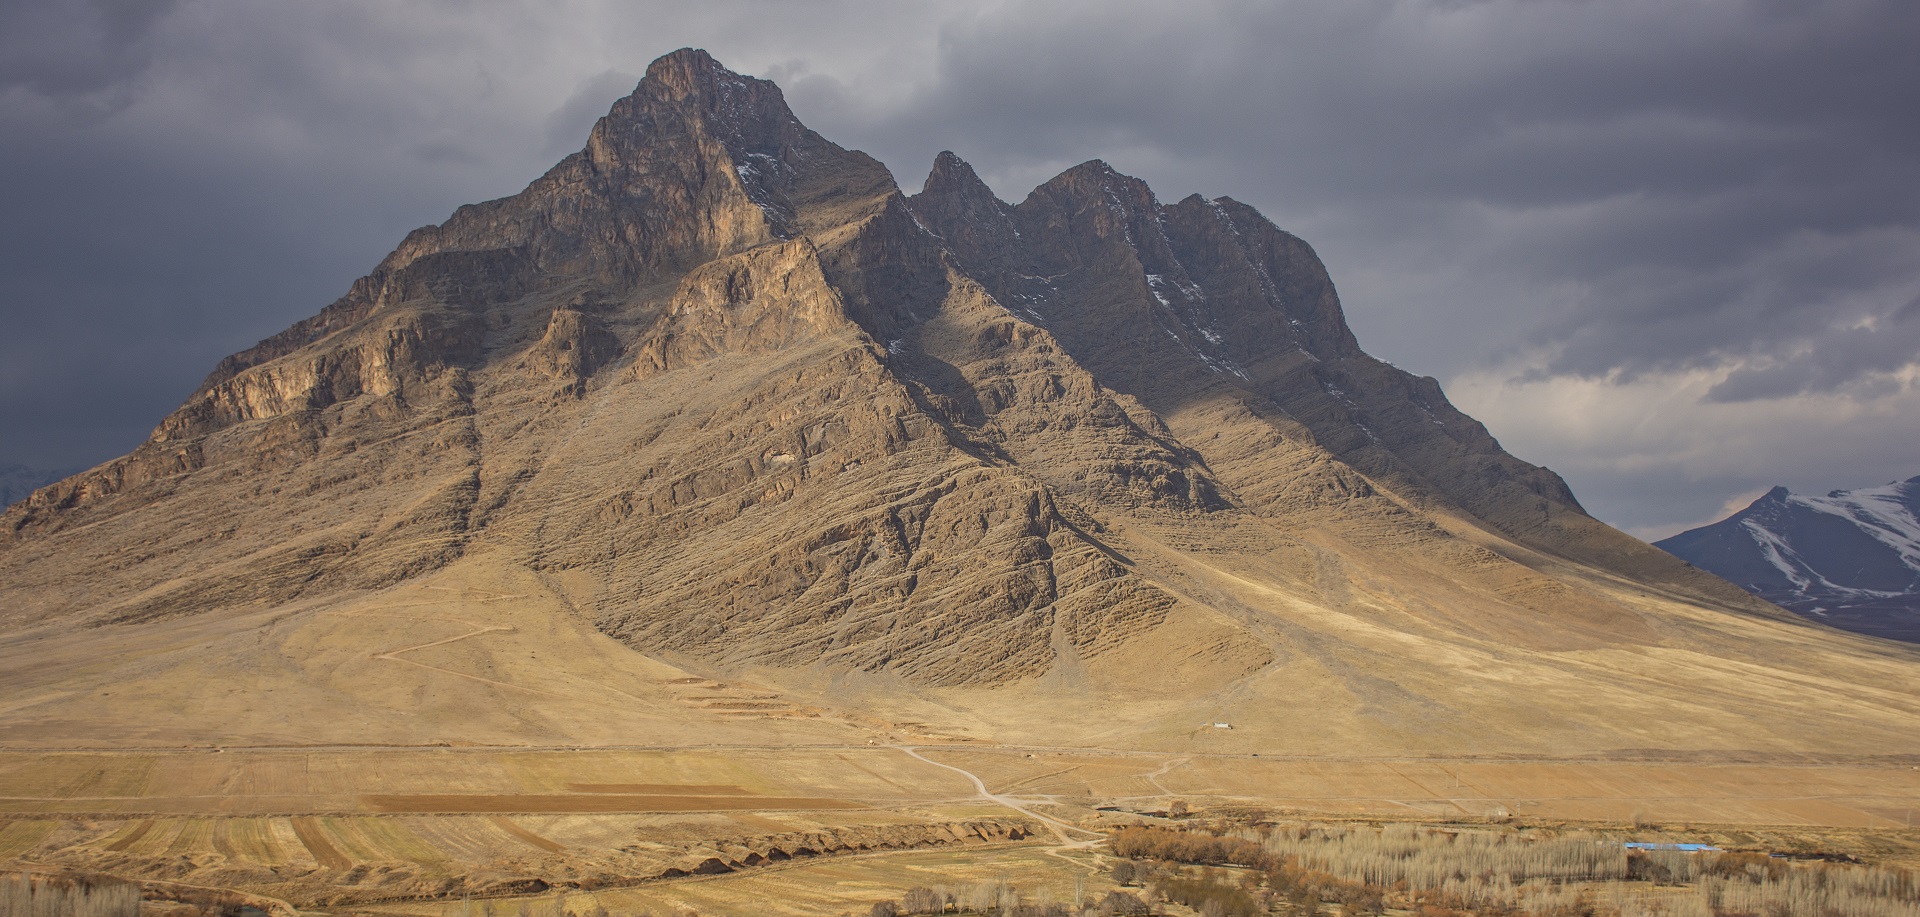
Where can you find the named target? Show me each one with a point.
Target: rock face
(732, 396)
(1850, 558)
(19, 481)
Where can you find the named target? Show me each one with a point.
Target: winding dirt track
(1058, 827)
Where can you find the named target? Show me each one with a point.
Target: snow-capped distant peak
(1852, 556)
(1887, 513)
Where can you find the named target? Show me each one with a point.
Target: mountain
(1850, 558)
(714, 402)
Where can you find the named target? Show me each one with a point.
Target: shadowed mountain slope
(1088, 468)
(1205, 301)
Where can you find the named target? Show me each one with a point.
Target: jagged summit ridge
(751, 406)
(1094, 257)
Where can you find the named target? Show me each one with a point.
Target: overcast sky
(1670, 249)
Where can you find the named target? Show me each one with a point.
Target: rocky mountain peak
(750, 116)
(1096, 183)
(719, 374)
(955, 204)
(687, 71)
(952, 179)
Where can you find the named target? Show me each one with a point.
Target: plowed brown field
(461, 804)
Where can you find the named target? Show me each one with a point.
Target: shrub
(1187, 847)
(1214, 899)
(923, 900)
(27, 895)
(1121, 904)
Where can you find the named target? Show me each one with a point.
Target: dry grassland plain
(364, 782)
(470, 736)
(349, 830)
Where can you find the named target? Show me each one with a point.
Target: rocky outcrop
(574, 347)
(754, 303)
(17, 482)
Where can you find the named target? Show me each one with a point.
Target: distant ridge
(1850, 559)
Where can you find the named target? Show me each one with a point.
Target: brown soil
(559, 804)
(133, 837)
(659, 789)
(511, 827)
(316, 842)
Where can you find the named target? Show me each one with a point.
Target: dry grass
(17, 836)
(1426, 858)
(1550, 874)
(28, 895)
(1706, 789)
(849, 884)
(345, 780)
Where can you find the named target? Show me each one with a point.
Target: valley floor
(350, 828)
(472, 736)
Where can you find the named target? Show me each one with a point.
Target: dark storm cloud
(68, 48)
(1865, 354)
(1719, 176)
(127, 284)
(239, 180)
(1526, 198)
